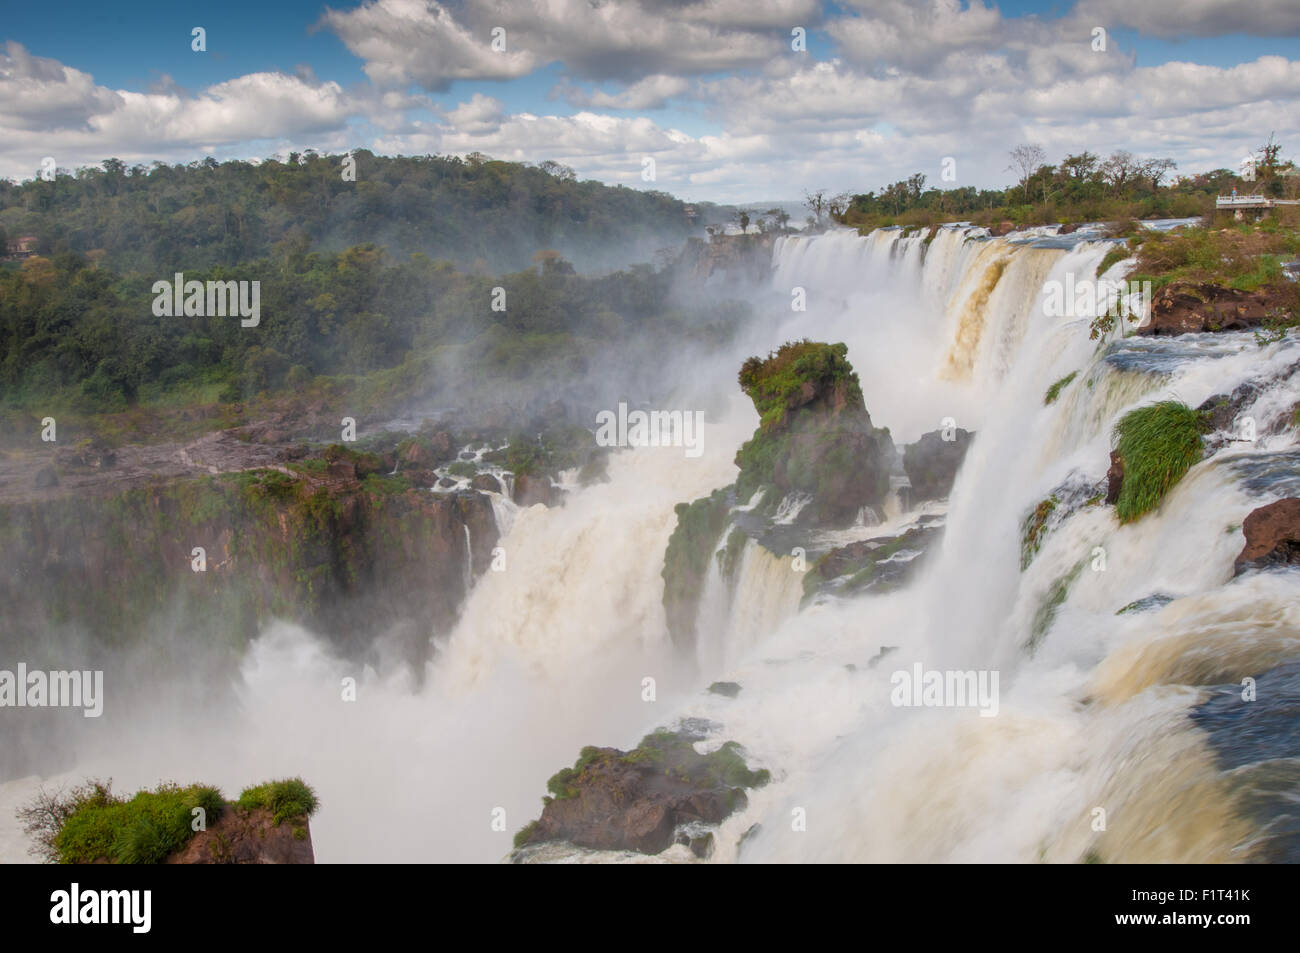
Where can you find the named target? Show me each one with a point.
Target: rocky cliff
(331, 543)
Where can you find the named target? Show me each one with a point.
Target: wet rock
(1114, 478)
(729, 689)
(1157, 600)
(530, 490)
(1002, 228)
(637, 800)
(932, 463)
(1220, 413)
(701, 846)
(880, 564)
(1272, 536)
(486, 482)
(474, 510)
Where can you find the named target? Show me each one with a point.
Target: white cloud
(649, 93)
(908, 84)
(47, 108)
(424, 42)
(1175, 18)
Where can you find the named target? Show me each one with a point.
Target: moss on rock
(814, 435)
(686, 560)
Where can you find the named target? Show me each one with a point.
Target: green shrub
(559, 783)
(143, 830)
(289, 799)
(773, 384)
(525, 832)
(1158, 444)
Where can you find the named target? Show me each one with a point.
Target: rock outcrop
(531, 490)
(1186, 309)
(1114, 478)
(242, 836)
(686, 561)
(349, 557)
(1272, 536)
(815, 435)
(743, 258)
(637, 800)
(878, 565)
(932, 463)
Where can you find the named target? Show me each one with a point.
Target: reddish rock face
(419, 455)
(1114, 478)
(1272, 536)
(241, 836)
(530, 490)
(1190, 309)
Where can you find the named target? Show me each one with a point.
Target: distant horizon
(745, 204)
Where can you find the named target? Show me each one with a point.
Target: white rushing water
(552, 654)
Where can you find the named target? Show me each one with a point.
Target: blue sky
(709, 88)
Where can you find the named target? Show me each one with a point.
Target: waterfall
(1096, 714)
(1095, 708)
(469, 560)
(735, 617)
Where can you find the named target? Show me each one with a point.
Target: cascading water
(1095, 707)
(1095, 710)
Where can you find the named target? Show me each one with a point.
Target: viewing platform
(1251, 201)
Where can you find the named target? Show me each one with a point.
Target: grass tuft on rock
(1159, 444)
(290, 799)
(1055, 390)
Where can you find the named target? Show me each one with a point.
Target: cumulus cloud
(424, 42)
(1175, 18)
(649, 93)
(905, 85)
(47, 108)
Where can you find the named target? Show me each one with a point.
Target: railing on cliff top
(1251, 201)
